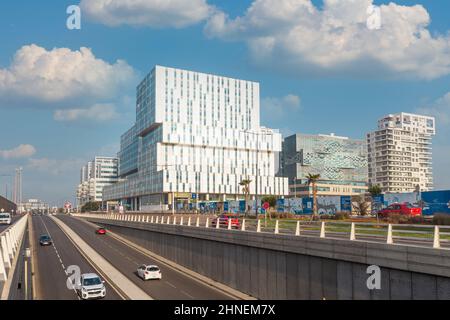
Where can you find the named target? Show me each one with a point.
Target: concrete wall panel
(271, 266)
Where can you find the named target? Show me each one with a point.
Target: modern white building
(196, 137)
(33, 205)
(94, 176)
(399, 153)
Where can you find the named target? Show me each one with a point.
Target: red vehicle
(100, 230)
(223, 221)
(400, 208)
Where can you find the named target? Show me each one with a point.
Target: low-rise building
(33, 205)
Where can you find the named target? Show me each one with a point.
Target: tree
(374, 190)
(272, 200)
(312, 180)
(90, 206)
(361, 205)
(246, 190)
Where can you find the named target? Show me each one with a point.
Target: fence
(432, 236)
(10, 240)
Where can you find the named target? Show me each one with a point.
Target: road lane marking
(57, 254)
(116, 277)
(200, 279)
(187, 294)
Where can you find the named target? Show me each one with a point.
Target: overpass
(289, 266)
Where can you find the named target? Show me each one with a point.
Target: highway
(52, 261)
(174, 285)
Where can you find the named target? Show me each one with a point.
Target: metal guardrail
(433, 236)
(9, 244)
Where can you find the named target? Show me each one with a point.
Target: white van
(5, 218)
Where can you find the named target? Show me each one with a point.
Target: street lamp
(6, 184)
(257, 164)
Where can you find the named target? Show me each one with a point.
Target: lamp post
(6, 184)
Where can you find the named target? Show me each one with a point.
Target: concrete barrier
(10, 242)
(280, 266)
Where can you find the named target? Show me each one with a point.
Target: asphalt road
(52, 261)
(174, 285)
(13, 220)
(21, 284)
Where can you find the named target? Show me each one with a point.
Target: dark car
(100, 230)
(45, 240)
(223, 221)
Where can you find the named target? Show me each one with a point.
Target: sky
(323, 66)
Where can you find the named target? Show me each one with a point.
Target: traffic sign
(266, 205)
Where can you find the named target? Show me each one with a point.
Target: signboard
(346, 203)
(194, 196)
(242, 206)
(67, 205)
(280, 205)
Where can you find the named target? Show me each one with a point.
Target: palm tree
(375, 191)
(246, 190)
(312, 180)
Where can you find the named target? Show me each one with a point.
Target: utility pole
(6, 185)
(17, 188)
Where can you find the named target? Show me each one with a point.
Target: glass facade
(196, 133)
(340, 161)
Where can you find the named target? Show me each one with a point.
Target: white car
(5, 218)
(91, 286)
(147, 272)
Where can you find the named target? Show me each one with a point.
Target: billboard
(436, 202)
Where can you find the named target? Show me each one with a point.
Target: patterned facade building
(340, 161)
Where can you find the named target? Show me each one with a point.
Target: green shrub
(341, 215)
(441, 219)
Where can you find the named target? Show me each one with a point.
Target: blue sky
(314, 78)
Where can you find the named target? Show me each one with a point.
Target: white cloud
(97, 112)
(296, 35)
(151, 13)
(278, 106)
(62, 74)
(54, 166)
(440, 109)
(21, 151)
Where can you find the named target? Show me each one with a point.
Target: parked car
(91, 286)
(5, 218)
(100, 230)
(400, 208)
(223, 221)
(45, 240)
(147, 272)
